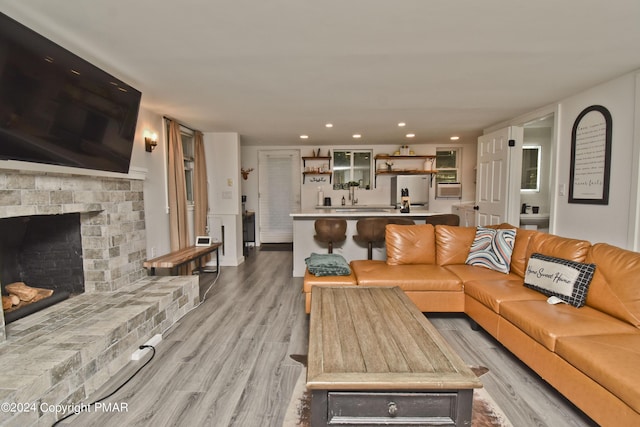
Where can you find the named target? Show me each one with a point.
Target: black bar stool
(401, 221)
(330, 231)
(370, 232)
(444, 219)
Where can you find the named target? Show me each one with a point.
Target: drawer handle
(393, 409)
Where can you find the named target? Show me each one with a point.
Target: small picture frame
(203, 241)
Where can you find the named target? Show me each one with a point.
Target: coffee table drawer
(383, 408)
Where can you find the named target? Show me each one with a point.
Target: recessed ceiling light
(304, 136)
(454, 138)
(357, 135)
(329, 125)
(410, 135)
(402, 124)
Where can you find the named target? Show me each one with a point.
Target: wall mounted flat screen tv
(57, 108)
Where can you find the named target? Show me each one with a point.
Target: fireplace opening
(41, 252)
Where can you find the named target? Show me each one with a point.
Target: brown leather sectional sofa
(590, 354)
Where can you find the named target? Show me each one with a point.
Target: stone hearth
(61, 355)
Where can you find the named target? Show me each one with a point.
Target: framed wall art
(591, 157)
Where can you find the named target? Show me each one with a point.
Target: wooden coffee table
(375, 359)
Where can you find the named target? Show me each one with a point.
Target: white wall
(617, 223)
(601, 223)
(634, 203)
(222, 152)
(156, 205)
(378, 195)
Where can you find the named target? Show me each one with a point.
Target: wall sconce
(245, 172)
(150, 140)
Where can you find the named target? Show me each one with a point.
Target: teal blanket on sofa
(327, 265)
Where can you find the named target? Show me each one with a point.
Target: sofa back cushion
(519, 257)
(453, 243)
(558, 247)
(615, 288)
(410, 244)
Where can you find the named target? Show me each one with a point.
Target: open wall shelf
(306, 159)
(395, 172)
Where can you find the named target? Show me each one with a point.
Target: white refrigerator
(418, 186)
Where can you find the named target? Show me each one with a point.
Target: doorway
(535, 188)
(279, 194)
(498, 164)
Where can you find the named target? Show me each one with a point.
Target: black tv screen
(57, 108)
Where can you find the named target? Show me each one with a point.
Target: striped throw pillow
(492, 248)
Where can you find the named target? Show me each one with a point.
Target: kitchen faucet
(352, 195)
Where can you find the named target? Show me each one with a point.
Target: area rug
(278, 247)
(485, 412)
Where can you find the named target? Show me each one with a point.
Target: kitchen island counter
(303, 231)
(362, 211)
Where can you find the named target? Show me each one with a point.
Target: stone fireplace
(62, 355)
(109, 213)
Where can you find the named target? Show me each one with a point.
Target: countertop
(361, 211)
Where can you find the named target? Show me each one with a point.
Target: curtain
(178, 226)
(200, 194)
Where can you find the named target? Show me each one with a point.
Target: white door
(279, 178)
(498, 182)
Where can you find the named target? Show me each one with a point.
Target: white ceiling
(274, 69)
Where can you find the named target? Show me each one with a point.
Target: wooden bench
(175, 259)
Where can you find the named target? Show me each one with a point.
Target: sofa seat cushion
(412, 277)
(313, 280)
(469, 272)
(610, 360)
(492, 292)
(546, 322)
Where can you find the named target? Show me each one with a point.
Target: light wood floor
(227, 362)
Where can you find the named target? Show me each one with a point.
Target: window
(188, 153)
(188, 150)
(530, 168)
(448, 164)
(351, 165)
